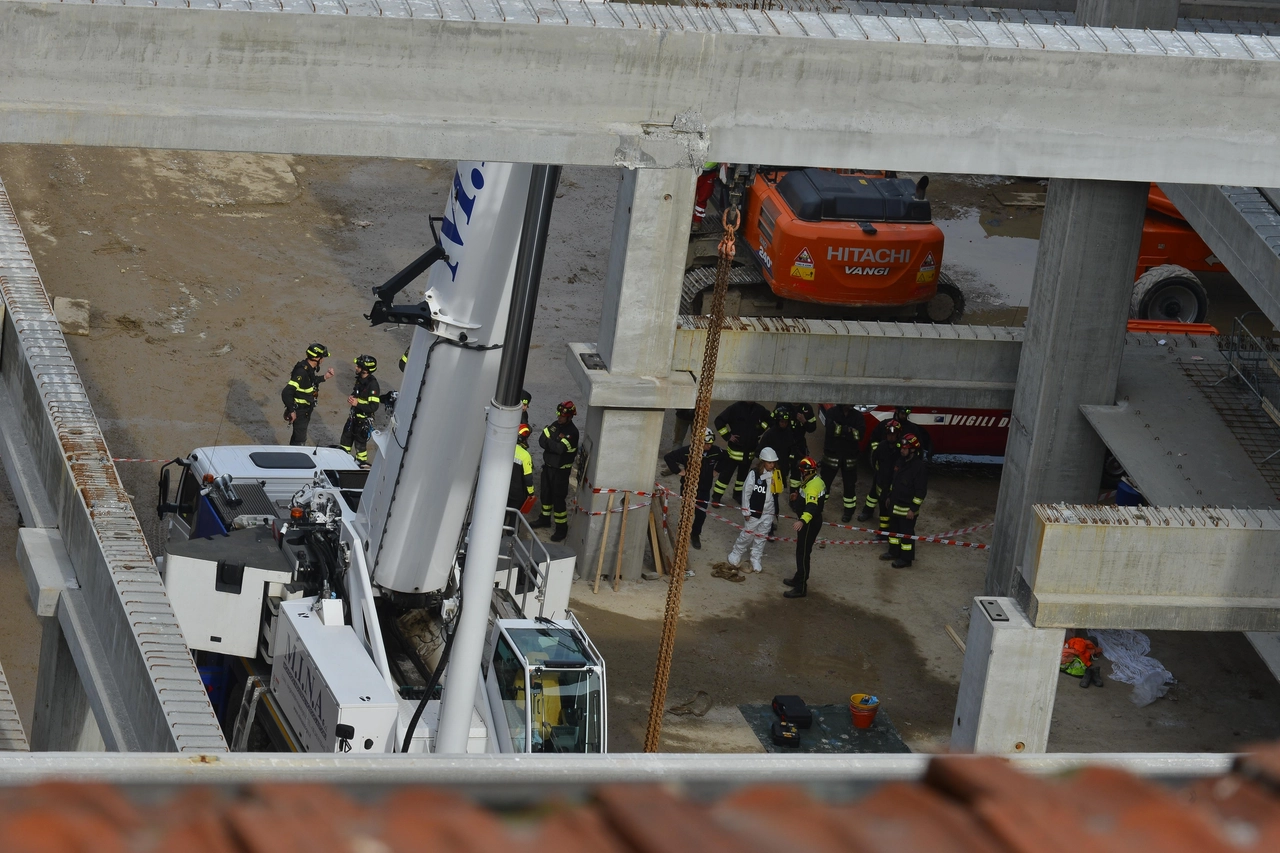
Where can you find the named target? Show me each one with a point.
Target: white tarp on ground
(1128, 652)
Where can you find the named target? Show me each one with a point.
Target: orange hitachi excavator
(831, 244)
(862, 245)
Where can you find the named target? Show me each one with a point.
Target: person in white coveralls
(759, 508)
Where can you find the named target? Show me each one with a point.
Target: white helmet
(708, 435)
(768, 455)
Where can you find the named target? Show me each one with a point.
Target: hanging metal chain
(692, 472)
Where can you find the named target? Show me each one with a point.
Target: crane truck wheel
(947, 305)
(1169, 293)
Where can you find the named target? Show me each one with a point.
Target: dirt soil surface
(209, 274)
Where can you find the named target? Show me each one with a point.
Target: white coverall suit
(759, 509)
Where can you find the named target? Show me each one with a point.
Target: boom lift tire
(1169, 293)
(947, 305)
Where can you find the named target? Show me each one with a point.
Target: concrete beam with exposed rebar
(643, 85)
(136, 669)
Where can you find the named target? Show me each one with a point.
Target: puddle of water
(994, 271)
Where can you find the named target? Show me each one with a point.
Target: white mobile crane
(297, 570)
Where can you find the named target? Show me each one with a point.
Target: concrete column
(1075, 335)
(1008, 683)
(63, 720)
(1070, 356)
(637, 335)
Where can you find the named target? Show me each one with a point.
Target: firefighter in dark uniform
(404, 359)
(559, 443)
(902, 414)
(840, 453)
(299, 396)
(520, 495)
(525, 399)
(910, 483)
(813, 497)
(741, 426)
(883, 458)
(364, 402)
(781, 437)
(712, 457)
(803, 423)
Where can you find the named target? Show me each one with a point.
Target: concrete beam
(1243, 230)
(835, 361)
(126, 643)
(643, 85)
(1154, 568)
(1007, 683)
(599, 387)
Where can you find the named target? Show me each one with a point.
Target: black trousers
(554, 491)
(300, 424)
(900, 546)
(733, 471)
(699, 515)
(804, 550)
(847, 468)
(355, 438)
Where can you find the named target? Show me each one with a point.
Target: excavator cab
(546, 687)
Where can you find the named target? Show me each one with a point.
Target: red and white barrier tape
(660, 490)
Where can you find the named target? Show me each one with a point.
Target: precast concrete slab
(1242, 227)
(642, 85)
(1154, 568)
(839, 361)
(1172, 443)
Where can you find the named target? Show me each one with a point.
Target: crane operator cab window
(550, 685)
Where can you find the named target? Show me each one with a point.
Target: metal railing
(524, 569)
(1255, 362)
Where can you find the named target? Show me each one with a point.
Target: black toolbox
(784, 734)
(791, 709)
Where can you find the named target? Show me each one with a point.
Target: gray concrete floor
(208, 274)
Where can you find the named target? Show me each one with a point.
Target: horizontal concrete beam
(128, 647)
(602, 389)
(642, 85)
(835, 361)
(1243, 230)
(1155, 568)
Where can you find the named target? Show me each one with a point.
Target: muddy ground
(209, 274)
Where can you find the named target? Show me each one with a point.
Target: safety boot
(695, 542)
(797, 591)
(562, 531)
(865, 515)
(888, 555)
(541, 521)
(846, 516)
(901, 563)
(791, 581)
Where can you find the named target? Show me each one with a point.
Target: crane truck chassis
(294, 570)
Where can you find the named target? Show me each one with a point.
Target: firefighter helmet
(317, 351)
(782, 413)
(523, 433)
(902, 413)
(807, 465)
(910, 442)
(567, 408)
(525, 398)
(892, 426)
(708, 435)
(365, 362)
